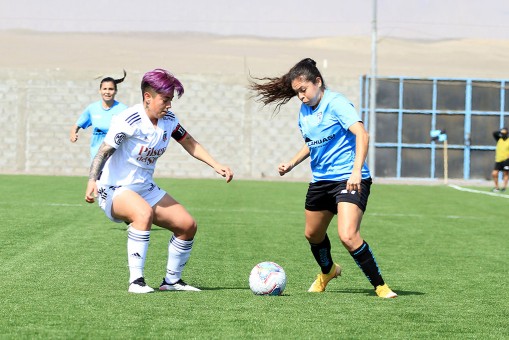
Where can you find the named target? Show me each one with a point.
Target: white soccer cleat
(139, 286)
(179, 285)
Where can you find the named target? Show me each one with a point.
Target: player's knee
(349, 239)
(189, 229)
(143, 216)
(193, 227)
(314, 236)
(347, 243)
(188, 225)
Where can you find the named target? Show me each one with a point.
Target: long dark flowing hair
(279, 90)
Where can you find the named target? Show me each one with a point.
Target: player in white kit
(121, 178)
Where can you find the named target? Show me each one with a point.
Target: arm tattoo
(105, 151)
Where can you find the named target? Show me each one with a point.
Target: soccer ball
(267, 278)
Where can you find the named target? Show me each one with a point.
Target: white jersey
(139, 144)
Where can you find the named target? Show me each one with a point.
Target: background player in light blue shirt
(99, 114)
(337, 143)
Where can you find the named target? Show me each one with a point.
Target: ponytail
(114, 81)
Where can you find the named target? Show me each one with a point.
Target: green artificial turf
(64, 266)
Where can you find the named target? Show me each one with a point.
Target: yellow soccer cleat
(323, 279)
(385, 292)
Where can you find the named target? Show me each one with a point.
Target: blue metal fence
(464, 107)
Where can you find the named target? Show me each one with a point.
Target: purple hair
(162, 82)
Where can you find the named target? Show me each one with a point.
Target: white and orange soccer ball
(267, 278)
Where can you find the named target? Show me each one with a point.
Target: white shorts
(150, 192)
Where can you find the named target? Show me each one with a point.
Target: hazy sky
(422, 19)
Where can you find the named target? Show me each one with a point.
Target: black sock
(322, 255)
(365, 259)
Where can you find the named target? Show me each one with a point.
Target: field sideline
(443, 250)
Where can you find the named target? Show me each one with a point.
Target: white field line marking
(394, 215)
(421, 216)
(49, 204)
(42, 245)
(457, 187)
(200, 209)
(65, 205)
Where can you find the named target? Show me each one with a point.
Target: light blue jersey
(99, 118)
(331, 144)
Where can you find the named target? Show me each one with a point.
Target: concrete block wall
(37, 109)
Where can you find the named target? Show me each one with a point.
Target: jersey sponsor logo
(319, 142)
(144, 151)
(149, 155)
(134, 118)
(119, 138)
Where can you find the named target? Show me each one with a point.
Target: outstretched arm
(105, 151)
(196, 150)
(73, 136)
(303, 153)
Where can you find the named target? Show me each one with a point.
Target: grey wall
(37, 109)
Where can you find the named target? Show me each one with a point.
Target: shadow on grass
(372, 292)
(224, 288)
(122, 227)
(368, 292)
(204, 289)
(218, 289)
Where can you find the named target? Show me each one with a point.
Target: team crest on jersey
(165, 136)
(319, 117)
(119, 138)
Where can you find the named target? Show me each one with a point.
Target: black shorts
(502, 166)
(325, 195)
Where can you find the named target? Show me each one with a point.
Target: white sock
(137, 246)
(179, 252)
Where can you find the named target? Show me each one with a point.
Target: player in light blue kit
(337, 144)
(99, 114)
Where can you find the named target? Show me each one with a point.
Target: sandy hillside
(88, 55)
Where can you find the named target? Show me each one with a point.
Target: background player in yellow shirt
(501, 158)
